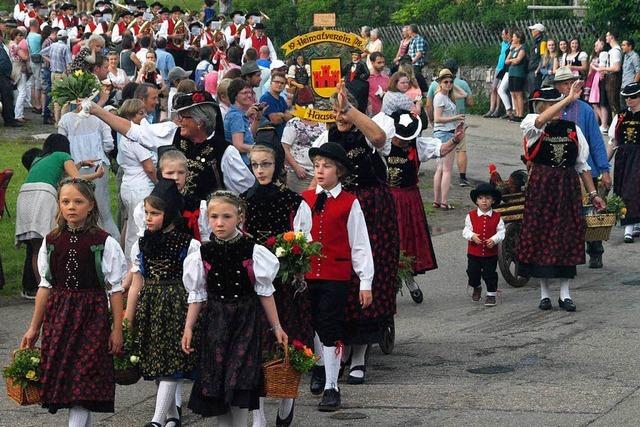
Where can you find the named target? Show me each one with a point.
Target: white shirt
(247, 44)
(194, 294)
(468, 232)
(120, 78)
(142, 55)
(236, 175)
(382, 120)
(361, 256)
(532, 134)
(130, 158)
(172, 93)
(203, 221)
(90, 138)
(428, 148)
(265, 269)
(113, 264)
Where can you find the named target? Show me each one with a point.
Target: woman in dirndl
(625, 135)
(552, 233)
(364, 139)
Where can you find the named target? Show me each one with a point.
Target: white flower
(280, 252)
(134, 359)
(35, 360)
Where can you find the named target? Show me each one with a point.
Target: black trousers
(422, 82)
(328, 300)
(483, 268)
(6, 96)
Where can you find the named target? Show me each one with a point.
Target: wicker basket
(29, 395)
(280, 378)
(127, 376)
(599, 226)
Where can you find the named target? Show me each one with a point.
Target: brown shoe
(477, 293)
(490, 301)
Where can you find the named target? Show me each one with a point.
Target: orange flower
(308, 352)
(289, 236)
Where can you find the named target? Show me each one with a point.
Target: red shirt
(375, 83)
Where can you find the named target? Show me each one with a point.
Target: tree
(623, 15)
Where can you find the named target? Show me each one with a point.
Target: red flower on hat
(198, 97)
(536, 94)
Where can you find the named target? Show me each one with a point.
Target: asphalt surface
(456, 362)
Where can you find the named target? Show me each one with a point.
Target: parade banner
(313, 114)
(325, 76)
(324, 36)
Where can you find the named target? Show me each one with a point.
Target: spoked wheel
(388, 338)
(507, 252)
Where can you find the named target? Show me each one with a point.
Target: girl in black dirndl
(236, 275)
(362, 137)
(77, 262)
(158, 299)
(552, 233)
(271, 210)
(625, 134)
(403, 164)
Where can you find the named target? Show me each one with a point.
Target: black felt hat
(188, 100)
(259, 26)
(155, 4)
(175, 9)
(486, 189)
(408, 125)
(631, 89)
(67, 6)
(546, 94)
(97, 12)
(333, 151)
(167, 191)
(164, 10)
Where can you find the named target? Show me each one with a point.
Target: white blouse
(382, 120)
(114, 266)
(236, 175)
(89, 137)
(532, 134)
(265, 269)
(194, 246)
(428, 148)
(203, 221)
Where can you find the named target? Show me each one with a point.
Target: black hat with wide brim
(188, 100)
(631, 89)
(546, 94)
(333, 151)
(408, 125)
(486, 189)
(176, 9)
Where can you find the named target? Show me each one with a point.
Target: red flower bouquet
(294, 252)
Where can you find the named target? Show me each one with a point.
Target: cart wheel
(388, 338)
(507, 256)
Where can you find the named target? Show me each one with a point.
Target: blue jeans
(45, 75)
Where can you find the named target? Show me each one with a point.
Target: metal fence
(481, 35)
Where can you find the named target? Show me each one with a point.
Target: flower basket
(23, 392)
(281, 380)
(127, 376)
(599, 226)
(29, 395)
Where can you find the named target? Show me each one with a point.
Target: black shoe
(464, 182)
(176, 422)
(628, 238)
(595, 261)
(417, 296)
(13, 125)
(545, 304)
(567, 304)
(355, 380)
(317, 380)
(287, 421)
(330, 401)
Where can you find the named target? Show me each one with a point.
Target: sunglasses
(636, 96)
(447, 82)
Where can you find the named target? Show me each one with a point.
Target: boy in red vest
(484, 229)
(338, 223)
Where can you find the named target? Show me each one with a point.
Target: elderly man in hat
(582, 114)
(539, 48)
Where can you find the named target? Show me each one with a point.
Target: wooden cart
(511, 209)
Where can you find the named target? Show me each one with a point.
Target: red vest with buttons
(257, 43)
(485, 227)
(330, 228)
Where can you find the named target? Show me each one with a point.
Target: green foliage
(621, 15)
(301, 357)
(25, 368)
(405, 267)
(294, 253)
(465, 53)
(127, 359)
(79, 85)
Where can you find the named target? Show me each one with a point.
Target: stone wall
(479, 78)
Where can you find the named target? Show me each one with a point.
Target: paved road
(550, 368)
